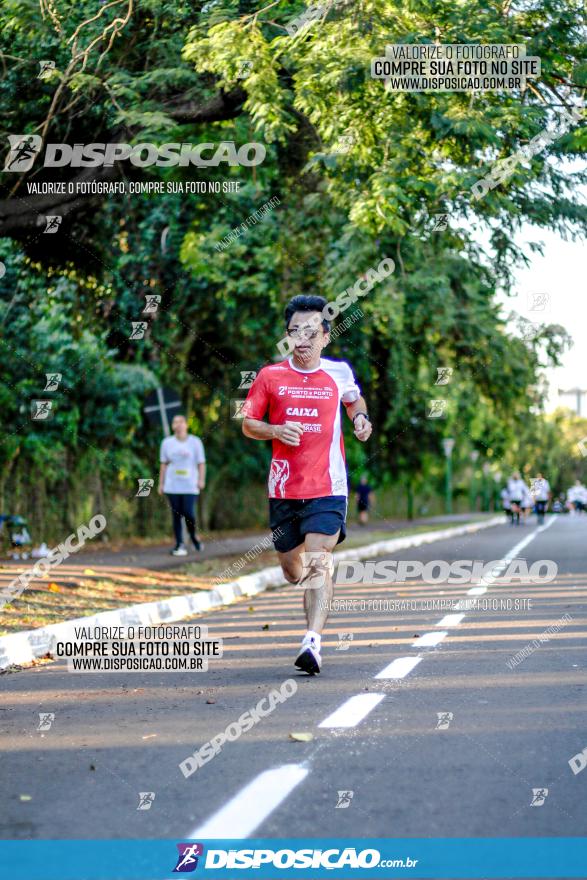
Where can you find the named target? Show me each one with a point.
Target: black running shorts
(295, 517)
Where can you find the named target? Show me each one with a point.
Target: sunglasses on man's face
(303, 332)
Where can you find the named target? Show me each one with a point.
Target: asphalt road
(514, 728)
(158, 557)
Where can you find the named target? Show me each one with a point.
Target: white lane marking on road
(352, 711)
(513, 553)
(450, 620)
(252, 804)
(428, 640)
(248, 809)
(521, 544)
(399, 667)
(501, 564)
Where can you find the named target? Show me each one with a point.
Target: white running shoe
(309, 659)
(179, 551)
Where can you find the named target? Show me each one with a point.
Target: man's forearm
(162, 471)
(258, 430)
(358, 406)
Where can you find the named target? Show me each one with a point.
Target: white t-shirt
(540, 489)
(577, 493)
(182, 458)
(517, 489)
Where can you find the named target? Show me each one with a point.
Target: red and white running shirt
(315, 468)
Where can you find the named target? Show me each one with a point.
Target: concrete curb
(24, 647)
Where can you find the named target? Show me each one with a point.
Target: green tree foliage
(360, 173)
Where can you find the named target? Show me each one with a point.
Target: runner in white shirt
(541, 494)
(517, 490)
(577, 497)
(505, 502)
(181, 476)
(527, 503)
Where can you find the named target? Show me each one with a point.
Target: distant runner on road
(506, 503)
(363, 494)
(527, 502)
(307, 479)
(181, 477)
(517, 490)
(541, 494)
(577, 497)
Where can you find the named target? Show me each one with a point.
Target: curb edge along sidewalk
(24, 647)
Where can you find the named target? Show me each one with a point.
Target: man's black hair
(303, 303)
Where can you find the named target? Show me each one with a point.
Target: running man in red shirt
(307, 480)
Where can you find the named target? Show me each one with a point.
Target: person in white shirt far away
(506, 504)
(181, 477)
(577, 497)
(517, 490)
(527, 503)
(542, 495)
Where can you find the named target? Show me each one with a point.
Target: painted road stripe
(451, 620)
(352, 711)
(502, 564)
(428, 640)
(399, 668)
(251, 806)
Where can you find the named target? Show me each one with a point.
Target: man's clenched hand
(290, 433)
(363, 428)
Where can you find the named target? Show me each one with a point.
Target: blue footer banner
(561, 857)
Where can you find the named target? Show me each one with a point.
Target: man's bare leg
(310, 563)
(317, 599)
(310, 566)
(292, 565)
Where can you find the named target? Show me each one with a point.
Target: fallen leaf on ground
(265, 626)
(210, 701)
(149, 736)
(89, 571)
(302, 737)
(25, 797)
(54, 588)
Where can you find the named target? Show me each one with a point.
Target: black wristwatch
(356, 416)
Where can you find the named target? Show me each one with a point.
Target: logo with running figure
(316, 566)
(187, 859)
(23, 151)
(344, 800)
(444, 719)
(278, 477)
